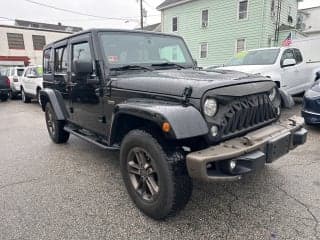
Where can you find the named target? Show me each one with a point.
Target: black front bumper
(4, 92)
(247, 153)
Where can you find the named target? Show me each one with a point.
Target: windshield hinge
(186, 94)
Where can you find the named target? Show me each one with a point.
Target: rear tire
(160, 186)
(55, 127)
(24, 97)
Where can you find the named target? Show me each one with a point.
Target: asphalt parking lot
(75, 191)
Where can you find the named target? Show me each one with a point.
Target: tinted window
(81, 51)
(61, 60)
(287, 54)
(298, 55)
(47, 68)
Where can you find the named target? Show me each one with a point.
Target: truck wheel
(55, 127)
(25, 98)
(155, 177)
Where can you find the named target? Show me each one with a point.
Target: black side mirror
(82, 68)
(317, 76)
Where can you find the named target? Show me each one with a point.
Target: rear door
(87, 104)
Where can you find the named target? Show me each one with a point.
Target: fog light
(214, 131)
(232, 165)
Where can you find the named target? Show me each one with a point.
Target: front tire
(24, 97)
(156, 178)
(55, 127)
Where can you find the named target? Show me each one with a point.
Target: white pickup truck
(287, 66)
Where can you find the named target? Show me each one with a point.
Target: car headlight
(273, 94)
(210, 107)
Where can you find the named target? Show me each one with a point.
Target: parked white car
(285, 65)
(14, 74)
(31, 83)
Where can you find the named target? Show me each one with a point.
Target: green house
(215, 30)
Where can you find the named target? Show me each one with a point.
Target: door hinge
(71, 110)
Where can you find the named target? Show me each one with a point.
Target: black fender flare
(57, 102)
(286, 99)
(185, 121)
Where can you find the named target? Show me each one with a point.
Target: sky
(127, 10)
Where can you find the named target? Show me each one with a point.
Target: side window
(61, 60)
(287, 54)
(81, 52)
(27, 72)
(47, 68)
(298, 56)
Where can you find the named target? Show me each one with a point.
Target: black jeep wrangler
(141, 93)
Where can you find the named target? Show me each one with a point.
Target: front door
(288, 74)
(87, 105)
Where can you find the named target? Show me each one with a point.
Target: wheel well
(125, 123)
(44, 101)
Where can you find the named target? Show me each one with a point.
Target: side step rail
(90, 139)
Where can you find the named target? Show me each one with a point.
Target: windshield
(255, 57)
(122, 49)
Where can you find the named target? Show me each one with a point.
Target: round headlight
(210, 107)
(273, 94)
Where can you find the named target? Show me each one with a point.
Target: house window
(174, 24)
(38, 42)
(15, 41)
(205, 18)
(241, 45)
(203, 50)
(60, 60)
(242, 9)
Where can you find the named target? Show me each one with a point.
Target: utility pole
(141, 14)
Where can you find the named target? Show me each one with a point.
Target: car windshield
(142, 49)
(255, 57)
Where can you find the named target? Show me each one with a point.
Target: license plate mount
(278, 147)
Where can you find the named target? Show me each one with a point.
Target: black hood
(174, 82)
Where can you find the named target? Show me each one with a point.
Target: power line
(78, 13)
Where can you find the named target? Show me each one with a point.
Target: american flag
(288, 41)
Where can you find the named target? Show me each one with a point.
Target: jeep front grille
(246, 113)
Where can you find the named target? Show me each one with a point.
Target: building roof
(56, 27)
(152, 28)
(171, 3)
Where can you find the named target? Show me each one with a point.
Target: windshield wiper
(167, 64)
(131, 67)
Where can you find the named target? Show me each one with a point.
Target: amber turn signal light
(166, 127)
